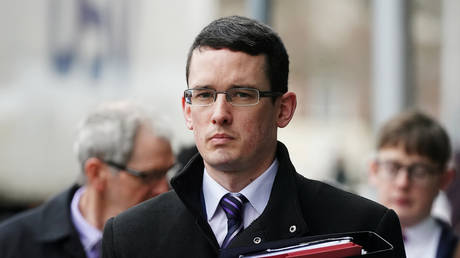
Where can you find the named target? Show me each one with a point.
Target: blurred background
(354, 64)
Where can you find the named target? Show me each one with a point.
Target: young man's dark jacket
(448, 241)
(46, 231)
(174, 225)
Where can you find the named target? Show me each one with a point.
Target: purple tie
(95, 251)
(233, 207)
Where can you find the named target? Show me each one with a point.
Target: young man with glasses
(410, 169)
(124, 157)
(241, 189)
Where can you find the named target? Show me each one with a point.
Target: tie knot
(233, 205)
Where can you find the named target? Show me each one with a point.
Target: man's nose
(221, 113)
(402, 177)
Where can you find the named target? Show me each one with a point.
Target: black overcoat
(43, 232)
(174, 225)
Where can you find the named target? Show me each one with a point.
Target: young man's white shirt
(422, 240)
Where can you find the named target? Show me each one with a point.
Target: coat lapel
(188, 186)
(282, 218)
(56, 228)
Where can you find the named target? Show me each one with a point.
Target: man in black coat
(114, 143)
(241, 190)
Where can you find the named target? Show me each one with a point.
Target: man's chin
(404, 214)
(222, 165)
(221, 162)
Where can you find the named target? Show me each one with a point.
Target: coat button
(257, 240)
(292, 228)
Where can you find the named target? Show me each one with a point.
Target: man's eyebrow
(202, 87)
(232, 87)
(242, 86)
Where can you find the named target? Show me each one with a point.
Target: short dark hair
(249, 36)
(419, 134)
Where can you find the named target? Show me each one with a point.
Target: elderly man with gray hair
(124, 158)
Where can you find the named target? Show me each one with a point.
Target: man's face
(232, 138)
(150, 154)
(410, 196)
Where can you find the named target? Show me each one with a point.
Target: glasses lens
(422, 171)
(201, 97)
(236, 96)
(390, 168)
(243, 96)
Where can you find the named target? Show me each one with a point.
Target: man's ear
(288, 103)
(95, 174)
(187, 114)
(373, 171)
(446, 178)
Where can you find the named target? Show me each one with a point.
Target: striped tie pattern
(233, 207)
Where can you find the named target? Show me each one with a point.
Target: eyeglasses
(235, 96)
(419, 173)
(146, 176)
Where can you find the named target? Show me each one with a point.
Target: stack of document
(366, 244)
(325, 248)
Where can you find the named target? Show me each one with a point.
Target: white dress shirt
(421, 240)
(257, 193)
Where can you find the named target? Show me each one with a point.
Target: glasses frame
(431, 170)
(143, 175)
(260, 94)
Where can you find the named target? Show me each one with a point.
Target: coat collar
(55, 220)
(188, 186)
(281, 219)
(55, 224)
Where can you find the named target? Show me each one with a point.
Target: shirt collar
(89, 235)
(257, 192)
(421, 230)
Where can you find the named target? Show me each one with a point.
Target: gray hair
(109, 131)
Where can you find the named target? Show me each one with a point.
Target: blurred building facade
(61, 58)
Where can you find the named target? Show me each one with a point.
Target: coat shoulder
(32, 232)
(165, 205)
(158, 225)
(18, 234)
(152, 215)
(337, 204)
(309, 190)
(22, 223)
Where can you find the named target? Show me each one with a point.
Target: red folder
(373, 246)
(336, 251)
(326, 248)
